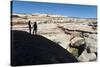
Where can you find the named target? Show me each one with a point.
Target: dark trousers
(34, 32)
(30, 30)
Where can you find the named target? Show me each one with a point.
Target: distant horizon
(56, 14)
(70, 10)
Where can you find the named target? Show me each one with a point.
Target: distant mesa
(49, 18)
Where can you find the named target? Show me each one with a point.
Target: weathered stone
(77, 41)
(77, 46)
(92, 57)
(73, 51)
(91, 44)
(84, 57)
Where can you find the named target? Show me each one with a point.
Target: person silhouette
(34, 28)
(29, 25)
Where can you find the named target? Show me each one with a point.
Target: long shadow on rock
(27, 49)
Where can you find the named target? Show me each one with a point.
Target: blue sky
(84, 11)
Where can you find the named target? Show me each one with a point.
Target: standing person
(29, 25)
(35, 28)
